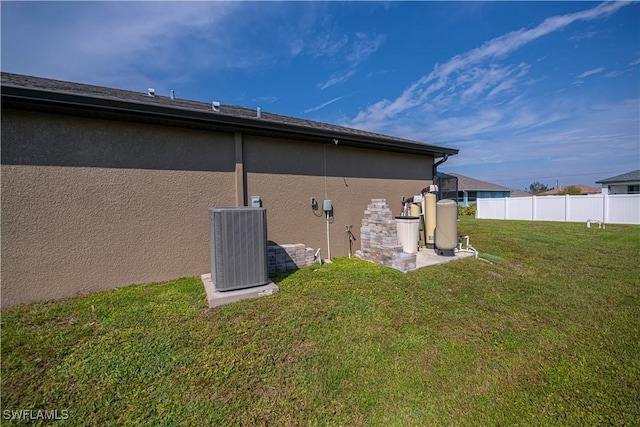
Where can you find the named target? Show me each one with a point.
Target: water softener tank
(447, 227)
(430, 218)
(415, 209)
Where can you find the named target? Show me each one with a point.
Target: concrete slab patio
(428, 257)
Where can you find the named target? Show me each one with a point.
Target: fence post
(506, 208)
(533, 208)
(605, 205)
(567, 204)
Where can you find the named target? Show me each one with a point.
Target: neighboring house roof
(632, 176)
(471, 184)
(584, 189)
(22, 91)
(520, 193)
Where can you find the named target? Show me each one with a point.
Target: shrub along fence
(610, 209)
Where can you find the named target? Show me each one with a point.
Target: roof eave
(618, 181)
(16, 95)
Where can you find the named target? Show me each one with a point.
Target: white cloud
(324, 104)
(583, 36)
(355, 53)
(600, 131)
(338, 77)
(268, 99)
(466, 126)
(296, 47)
(503, 86)
(378, 115)
(495, 77)
(377, 73)
(591, 72)
(328, 44)
(109, 42)
(363, 47)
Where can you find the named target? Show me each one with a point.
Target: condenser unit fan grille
(238, 247)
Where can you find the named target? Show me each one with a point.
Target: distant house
(471, 189)
(627, 183)
(584, 189)
(520, 193)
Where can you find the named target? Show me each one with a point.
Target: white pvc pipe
(596, 221)
(328, 240)
(468, 247)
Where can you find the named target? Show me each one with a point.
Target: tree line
(538, 187)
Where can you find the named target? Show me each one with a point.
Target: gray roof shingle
(625, 177)
(471, 184)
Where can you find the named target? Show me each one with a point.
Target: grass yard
(547, 332)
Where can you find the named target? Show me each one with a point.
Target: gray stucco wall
(89, 205)
(287, 174)
(92, 204)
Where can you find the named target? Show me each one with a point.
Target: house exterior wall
(287, 174)
(90, 204)
(467, 197)
(493, 194)
(623, 188)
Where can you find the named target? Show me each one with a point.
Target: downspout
(438, 163)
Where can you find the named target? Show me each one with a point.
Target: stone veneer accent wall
(379, 238)
(281, 258)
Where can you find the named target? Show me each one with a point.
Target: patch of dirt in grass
(425, 363)
(495, 274)
(298, 350)
(56, 321)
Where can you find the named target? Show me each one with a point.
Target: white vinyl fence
(610, 209)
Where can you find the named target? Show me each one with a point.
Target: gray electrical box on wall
(238, 240)
(256, 202)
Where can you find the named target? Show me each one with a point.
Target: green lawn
(545, 331)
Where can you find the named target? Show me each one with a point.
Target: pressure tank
(447, 227)
(430, 218)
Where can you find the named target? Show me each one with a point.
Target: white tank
(430, 218)
(408, 233)
(447, 226)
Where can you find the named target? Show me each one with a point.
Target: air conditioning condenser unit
(238, 239)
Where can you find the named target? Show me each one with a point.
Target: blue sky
(527, 91)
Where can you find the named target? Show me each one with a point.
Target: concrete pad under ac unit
(217, 298)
